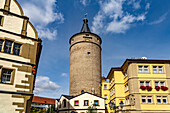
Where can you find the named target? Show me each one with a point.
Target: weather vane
(85, 15)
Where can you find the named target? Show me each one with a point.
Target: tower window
(87, 34)
(88, 53)
(82, 91)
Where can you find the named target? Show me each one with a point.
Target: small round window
(88, 53)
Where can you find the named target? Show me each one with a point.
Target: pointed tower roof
(85, 27)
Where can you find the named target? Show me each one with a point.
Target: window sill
(6, 83)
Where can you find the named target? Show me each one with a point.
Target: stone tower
(85, 62)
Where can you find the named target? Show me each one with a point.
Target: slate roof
(85, 27)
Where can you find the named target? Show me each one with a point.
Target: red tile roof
(43, 100)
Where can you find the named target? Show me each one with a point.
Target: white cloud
(64, 74)
(44, 84)
(161, 19)
(41, 14)
(147, 6)
(85, 2)
(113, 18)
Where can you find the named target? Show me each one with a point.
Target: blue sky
(128, 28)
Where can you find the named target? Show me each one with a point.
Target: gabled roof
(43, 100)
(68, 97)
(71, 97)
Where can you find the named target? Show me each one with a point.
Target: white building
(80, 103)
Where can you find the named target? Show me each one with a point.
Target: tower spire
(85, 27)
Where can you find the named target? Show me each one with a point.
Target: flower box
(149, 88)
(143, 87)
(164, 88)
(157, 88)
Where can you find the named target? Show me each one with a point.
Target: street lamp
(121, 104)
(113, 106)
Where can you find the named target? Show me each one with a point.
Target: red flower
(143, 87)
(164, 88)
(149, 88)
(157, 88)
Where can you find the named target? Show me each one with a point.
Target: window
(159, 99)
(1, 44)
(106, 106)
(6, 75)
(156, 83)
(162, 83)
(105, 96)
(154, 69)
(8, 46)
(1, 20)
(86, 102)
(146, 70)
(144, 99)
(143, 69)
(147, 99)
(16, 50)
(147, 83)
(142, 83)
(126, 87)
(164, 100)
(157, 69)
(96, 102)
(140, 69)
(160, 69)
(82, 91)
(64, 101)
(76, 103)
(105, 86)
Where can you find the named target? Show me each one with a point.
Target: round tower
(85, 62)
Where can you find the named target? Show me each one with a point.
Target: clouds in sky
(161, 19)
(64, 74)
(42, 13)
(120, 20)
(44, 84)
(84, 2)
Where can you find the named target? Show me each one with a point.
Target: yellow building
(142, 85)
(106, 93)
(20, 50)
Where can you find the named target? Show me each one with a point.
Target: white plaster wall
(18, 77)
(15, 38)
(30, 31)
(91, 99)
(6, 106)
(14, 8)
(12, 24)
(2, 2)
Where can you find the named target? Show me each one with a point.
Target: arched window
(64, 101)
(82, 91)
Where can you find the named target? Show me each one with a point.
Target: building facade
(106, 93)
(80, 103)
(20, 50)
(85, 62)
(142, 85)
